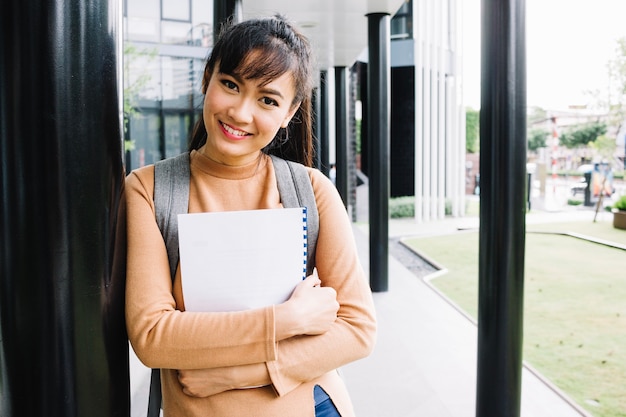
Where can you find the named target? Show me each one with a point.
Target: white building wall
(439, 113)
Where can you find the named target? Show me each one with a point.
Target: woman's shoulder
(141, 179)
(319, 179)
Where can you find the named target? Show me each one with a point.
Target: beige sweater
(164, 336)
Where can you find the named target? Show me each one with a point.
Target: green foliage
(582, 136)
(617, 73)
(621, 203)
(134, 84)
(400, 207)
(537, 138)
(472, 129)
(572, 202)
(604, 146)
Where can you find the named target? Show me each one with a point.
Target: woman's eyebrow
(271, 91)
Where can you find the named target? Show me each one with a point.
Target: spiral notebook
(240, 260)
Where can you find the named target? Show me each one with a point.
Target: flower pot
(619, 219)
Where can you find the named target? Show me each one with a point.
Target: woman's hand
(310, 310)
(207, 382)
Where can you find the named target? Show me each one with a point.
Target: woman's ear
(290, 115)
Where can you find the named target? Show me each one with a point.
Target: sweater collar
(208, 166)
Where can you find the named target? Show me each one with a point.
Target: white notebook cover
(239, 260)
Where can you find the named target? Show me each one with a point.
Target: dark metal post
(315, 105)
(324, 132)
(64, 350)
(224, 10)
(502, 208)
(341, 132)
(378, 114)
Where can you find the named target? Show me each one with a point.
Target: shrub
(621, 203)
(402, 207)
(572, 202)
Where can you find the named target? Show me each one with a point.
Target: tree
(582, 136)
(604, 147)
(472, 142)
(537, 138)
(617, 74)
(136, 78)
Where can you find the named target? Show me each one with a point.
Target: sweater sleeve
(352, 336)
(161, 334)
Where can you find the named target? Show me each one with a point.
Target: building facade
(427, 112)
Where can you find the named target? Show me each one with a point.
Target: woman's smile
(234, 133)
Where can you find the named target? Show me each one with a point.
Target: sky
(568, 46)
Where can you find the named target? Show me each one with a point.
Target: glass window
(142, 20)
(402, 22)
(176, 33)
(176, 127)
(176, 10)
(144, 135)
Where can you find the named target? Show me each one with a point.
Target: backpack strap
(171, 198)
(295, 189)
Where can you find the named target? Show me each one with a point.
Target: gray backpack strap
(171, 198)
(294, 186)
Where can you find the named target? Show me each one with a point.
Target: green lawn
(574, 306)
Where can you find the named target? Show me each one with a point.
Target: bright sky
(568, 46)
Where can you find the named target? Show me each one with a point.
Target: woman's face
(242, 116)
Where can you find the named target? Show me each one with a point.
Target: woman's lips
(233, 132)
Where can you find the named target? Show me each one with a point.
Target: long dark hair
(282, 48)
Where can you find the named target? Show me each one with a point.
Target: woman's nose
(241, 111)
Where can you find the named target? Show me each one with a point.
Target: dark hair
(282, 49)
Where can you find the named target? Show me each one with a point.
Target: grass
(574, 306)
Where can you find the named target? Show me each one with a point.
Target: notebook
(239, 260)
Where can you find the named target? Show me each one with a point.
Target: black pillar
(64, 349)
(378, 114)
(324, 132)
(224, 10)
(502, 208)
(315, 105)
(341, 132)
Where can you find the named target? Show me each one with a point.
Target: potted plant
(619, 213)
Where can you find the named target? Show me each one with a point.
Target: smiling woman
(277, 360)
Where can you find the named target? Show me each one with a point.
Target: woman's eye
(229, 84)
(269, 101)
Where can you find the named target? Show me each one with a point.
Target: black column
(324, 132)
(224, 10)
(378, 114)
(64, 349)
(317, 127)
(502, 208)
(341, 132)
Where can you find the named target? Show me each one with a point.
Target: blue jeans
(324, 406)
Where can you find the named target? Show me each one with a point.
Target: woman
(268, 361)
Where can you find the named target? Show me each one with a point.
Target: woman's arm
(352, 335)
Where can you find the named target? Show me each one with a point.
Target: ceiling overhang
(337, 29)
